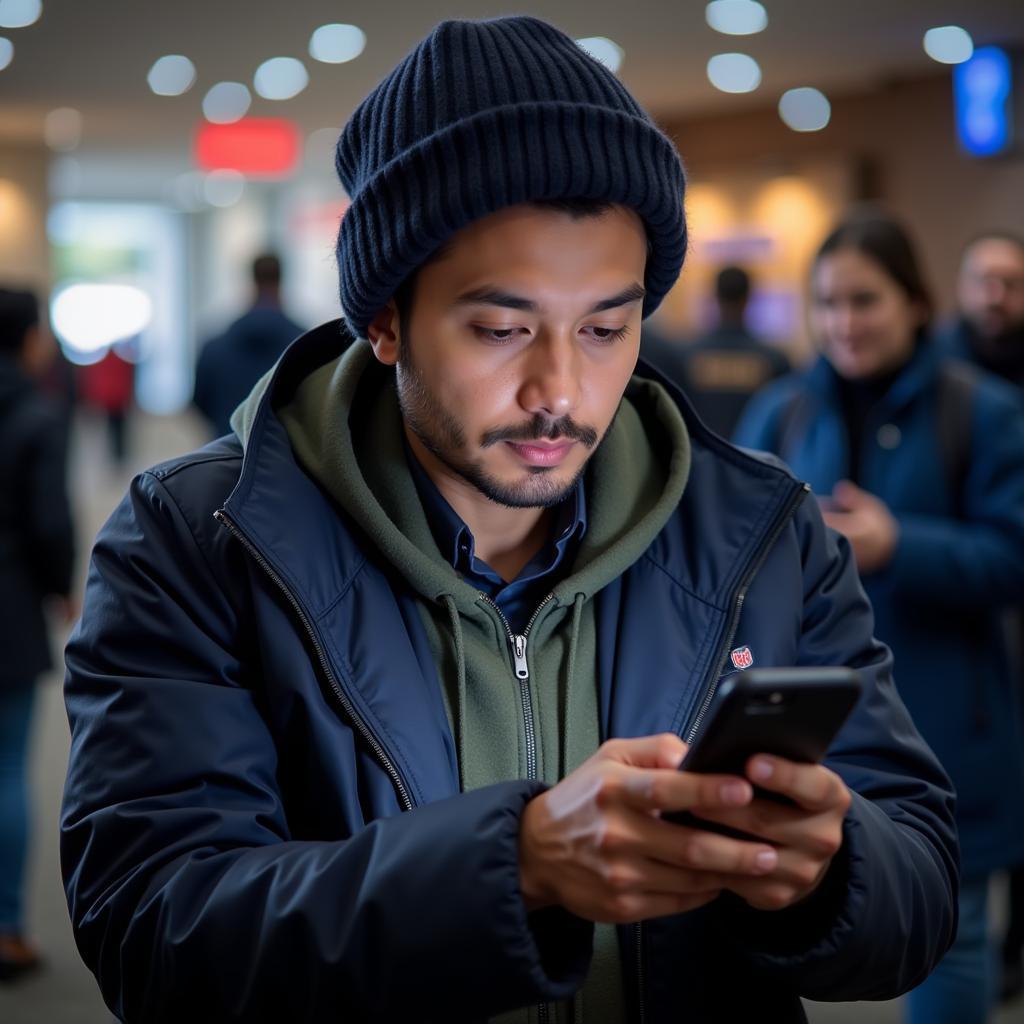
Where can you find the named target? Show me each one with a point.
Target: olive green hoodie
(532, 715)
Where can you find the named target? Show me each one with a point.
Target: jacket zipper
(740, 596)
(517, 642)
(717, 667)
(403, 793)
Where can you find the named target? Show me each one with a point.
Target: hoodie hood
(345, 427)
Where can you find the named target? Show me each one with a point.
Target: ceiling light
(736, 17)
(226, 102)
(805, 110)
(62, 129)
(171, 75)
(6, 52)
(19, 13)
(223, 188)
(605, 50)
(336, 44)
(280, 78)
(949, 44)
(734, 72)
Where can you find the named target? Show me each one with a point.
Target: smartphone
(792, 713)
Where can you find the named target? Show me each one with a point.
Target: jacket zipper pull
(519, 654)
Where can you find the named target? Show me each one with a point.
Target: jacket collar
(276, 502)
(916, 378)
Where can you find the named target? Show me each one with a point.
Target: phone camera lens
(775, 698)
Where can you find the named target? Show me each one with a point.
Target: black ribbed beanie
(487, 114)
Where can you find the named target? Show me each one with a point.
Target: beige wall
(895, 145)
(24, 251)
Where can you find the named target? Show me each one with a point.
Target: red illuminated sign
(264, 147)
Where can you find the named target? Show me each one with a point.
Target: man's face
(991, 287)
(519, 345)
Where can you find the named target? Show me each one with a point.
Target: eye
(498, 335)
(608, 334)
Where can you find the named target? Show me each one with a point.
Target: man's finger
(660, 790)
(685, 849)
(664, 750)
(812, 786)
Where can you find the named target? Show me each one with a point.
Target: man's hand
(595, 845)
(867, 524)
(806, 836)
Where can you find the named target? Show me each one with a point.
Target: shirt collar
(455, 539)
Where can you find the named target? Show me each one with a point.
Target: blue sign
(983, 93)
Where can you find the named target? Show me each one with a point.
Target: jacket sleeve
(976, 561)
(189, 898)
(50, 537)
(887, 911)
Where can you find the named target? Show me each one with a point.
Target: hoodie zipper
(517, 642)
(717, 667)
(403, 793)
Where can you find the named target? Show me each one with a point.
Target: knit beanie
(482, 115)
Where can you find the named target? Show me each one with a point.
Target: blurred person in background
(989, 328)
(373, 701)
(36, 558)
(989, 331)
(723, 370)
(921, 464)
(229, 365)
(108, 386)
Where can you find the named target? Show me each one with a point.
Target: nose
(843, 321)
(550, 384)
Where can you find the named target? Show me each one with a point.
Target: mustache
(542, 429)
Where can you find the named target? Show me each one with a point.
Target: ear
(385, 334)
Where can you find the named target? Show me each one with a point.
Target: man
(989, 331)
(36, 559)
(723, 370)
(230, 364)
(376, 704)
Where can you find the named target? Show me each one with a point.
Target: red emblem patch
(742, 658)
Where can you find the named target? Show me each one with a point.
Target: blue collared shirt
(519, 598)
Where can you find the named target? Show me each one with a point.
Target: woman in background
(921, 462)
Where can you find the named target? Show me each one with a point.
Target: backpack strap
(957, 384)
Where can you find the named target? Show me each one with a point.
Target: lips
(541, 454)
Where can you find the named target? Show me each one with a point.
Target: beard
(444, 437)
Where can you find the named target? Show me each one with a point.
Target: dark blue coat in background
(262, 818)
(229, 365)
(36, 533)
(958, 563)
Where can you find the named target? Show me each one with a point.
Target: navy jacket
(959, 561)
(230, 364)
(36, 534)
(262, 818)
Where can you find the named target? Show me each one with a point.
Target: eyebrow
(488, 296)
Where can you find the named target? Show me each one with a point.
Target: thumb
(847, 494)
(665, 750)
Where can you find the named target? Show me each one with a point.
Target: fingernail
(766, 860)
(734, 793)
(761, 769)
